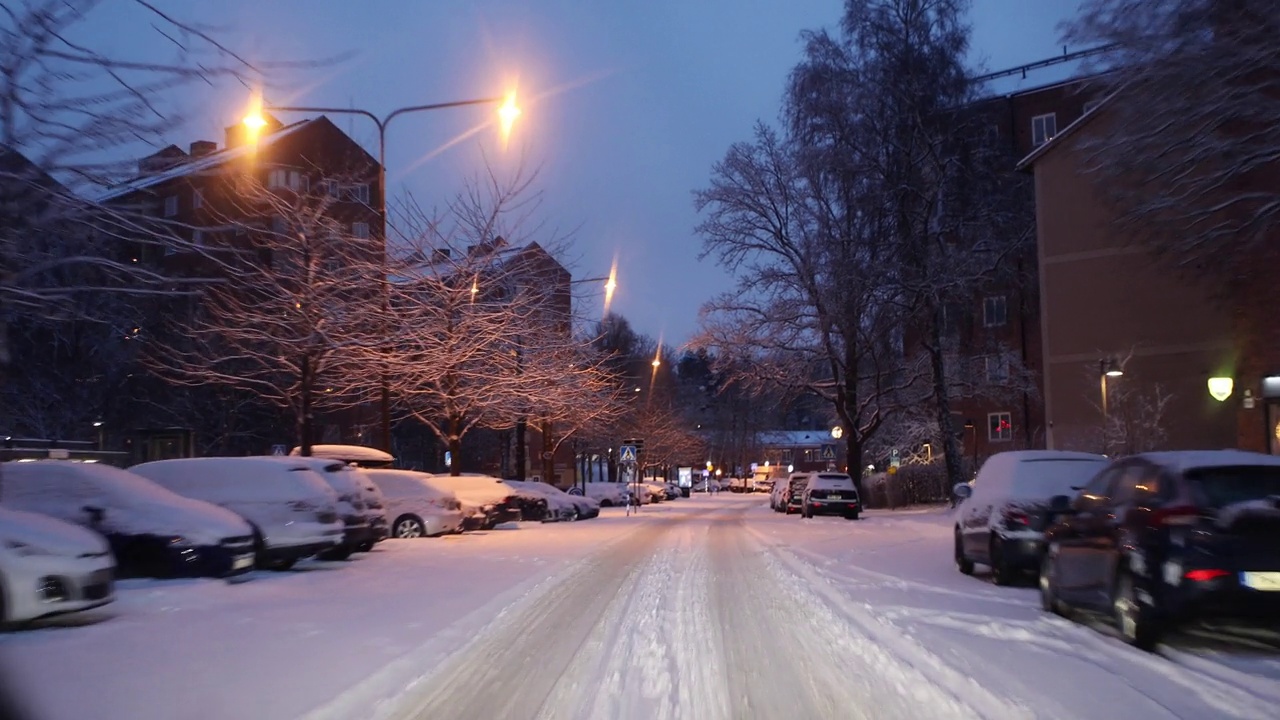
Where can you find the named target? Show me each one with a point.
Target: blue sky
(627, 103)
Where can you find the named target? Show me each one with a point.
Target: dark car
(828, 493)
(792, 499)
(1163, 539)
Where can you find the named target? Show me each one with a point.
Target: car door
(1105, 530)
(1073, 537)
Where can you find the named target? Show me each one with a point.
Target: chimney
(201, 148)
(162, 160)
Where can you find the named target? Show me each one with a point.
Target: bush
(911, 485)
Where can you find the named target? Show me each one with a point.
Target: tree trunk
(942, 401)
(521, 449)
(304, 416)
(548, 455)
(455, 445)
(853, 454)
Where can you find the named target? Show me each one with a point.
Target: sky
(627, 104)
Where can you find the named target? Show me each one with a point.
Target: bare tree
(1136, 418)
(1190, 144)
(483, 333)
(295, 314)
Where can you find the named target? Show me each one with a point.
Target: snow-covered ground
(704, 608)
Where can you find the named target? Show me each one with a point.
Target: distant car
(565, 506)
(292, 510)
(483, 497)
(783, 492)
(830, 492)
(48, 567)
(1161, 539)
(152, 531)
(1002, 516)
(609, 494)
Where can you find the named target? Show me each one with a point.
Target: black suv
(1161, 539)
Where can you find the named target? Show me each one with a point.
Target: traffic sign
(278, 449)
(828, 452)
(627, 453)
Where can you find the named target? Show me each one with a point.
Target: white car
(608, 494)
(357, 519)
(1002, 516)
(153, 532)
(292, 510)
(415, 506)
(48, 567)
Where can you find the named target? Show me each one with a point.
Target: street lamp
(1107, 368)
(507, 114)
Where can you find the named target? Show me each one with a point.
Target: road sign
(828, 452)
(894, 461)
(627, 453)
(278, 450)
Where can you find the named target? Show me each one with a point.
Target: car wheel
(851, 516)
(282, 565)
(1001, 574)
(1049, 587)
(1137, 621)
(963, 563)
(337, 553)
(806, 511)
(407, 527)
(606, 502)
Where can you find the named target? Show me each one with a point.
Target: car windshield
(833, 482)
(1222, 486)
(1042, 479)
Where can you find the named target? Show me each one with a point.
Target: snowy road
(706, 608)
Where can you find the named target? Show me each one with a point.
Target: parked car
(567, 506)
(291, 509)
(417, 508)
(1162, 539)
(357, 455)
(783, 491)
(48, 567)
(357, 520)
(152, 531)
(830, 492)
(1002, 516)
(608, 494)
(376, 506)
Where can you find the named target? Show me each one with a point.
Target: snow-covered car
(376, 506)
(49, 567)
(608, 494)
(417, 507)
(152, 531)
(830, 492)
(357, 455)
(357, 520)
(789, 493)
(291, 509)
(485, 495)
(1002, 516)
(1165, 538)
(561, 504)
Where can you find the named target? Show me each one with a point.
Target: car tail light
(1173, 515)
(1205, 575)
(1013, 518)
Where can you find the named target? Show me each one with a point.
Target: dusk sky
(626, 106)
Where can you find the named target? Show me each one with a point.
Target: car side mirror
(962, 490)
(1060, 505)
(96, 514)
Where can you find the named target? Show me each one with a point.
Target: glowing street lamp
(507, 115)
(1220, 388)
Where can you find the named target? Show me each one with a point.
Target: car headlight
(25, 549)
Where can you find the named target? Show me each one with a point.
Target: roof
(794, 438)
(1184, 460)
(1057, 140)
(206, 162)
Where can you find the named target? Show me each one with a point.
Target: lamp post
(508, 113)
(1107, 368)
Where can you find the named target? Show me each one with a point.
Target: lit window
(995, 311)
(1000, 427)
(360, 230)
(171, 206)
(1043, 128)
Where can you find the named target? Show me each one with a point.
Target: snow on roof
(203, 163)
(349, 453)
(1184, 460)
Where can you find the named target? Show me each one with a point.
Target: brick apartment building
(1004, 316)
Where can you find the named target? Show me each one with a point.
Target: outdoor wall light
(1220, 388)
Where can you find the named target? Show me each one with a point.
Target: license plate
(1267, 581)
(242, 562)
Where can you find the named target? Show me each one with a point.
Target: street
(710, 607)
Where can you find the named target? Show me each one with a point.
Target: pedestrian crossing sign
(627, 453)
(828, 452)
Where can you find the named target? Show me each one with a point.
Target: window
(999, 427)
(170, 250)
(197, 199)
(171, 206)
(299, 182)
(997, 368)
(330, 188)
(995, 311)
(197, 238)
(1043, 128)
(786, 455)
(360, 230)
(358, 193)
(1097, 493)
(277, 178)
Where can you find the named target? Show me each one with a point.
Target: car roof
(1184, 460)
